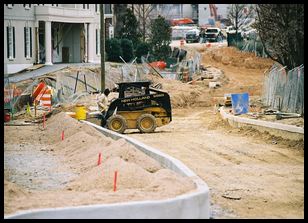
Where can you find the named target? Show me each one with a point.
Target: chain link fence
(252, 43)
(284, 90)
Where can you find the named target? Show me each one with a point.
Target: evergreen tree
(129, 29)
(113, 50)
(160, 38)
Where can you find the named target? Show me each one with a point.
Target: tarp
(160, 64)
(175, 22)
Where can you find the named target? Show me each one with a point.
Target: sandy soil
(250, 175)
(41, 170)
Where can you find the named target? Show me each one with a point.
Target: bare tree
(143, 14)
(281, 30)
(238, 13)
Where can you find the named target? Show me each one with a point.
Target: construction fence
(251, 44)
(284, 90)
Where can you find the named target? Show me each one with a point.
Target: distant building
(52, 33)
(199, 13)
(173, 11)
(206, 17)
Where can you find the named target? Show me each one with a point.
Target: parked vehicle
(213, 34)
(230, 29)
(193, 36)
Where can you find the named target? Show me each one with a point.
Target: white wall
(187, 11)
(19, 17)
(204, 14)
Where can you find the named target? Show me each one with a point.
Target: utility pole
(102, 46)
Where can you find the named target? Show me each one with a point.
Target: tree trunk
(144, 20)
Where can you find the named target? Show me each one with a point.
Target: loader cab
(128, 89)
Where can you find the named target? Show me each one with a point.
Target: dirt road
(248, 177)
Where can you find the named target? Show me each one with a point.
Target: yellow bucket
(81, 113)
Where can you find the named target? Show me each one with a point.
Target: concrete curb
(298, 132)
(194, 205)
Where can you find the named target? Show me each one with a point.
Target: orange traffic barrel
(46, 98)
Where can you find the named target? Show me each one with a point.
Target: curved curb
(194, 204)
(261, 123)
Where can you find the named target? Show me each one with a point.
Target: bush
(113, 50)
(162, 52)
(142, 49)
(127, 49)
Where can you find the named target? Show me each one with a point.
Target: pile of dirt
(184, 95)
(130, 176)
(139, 177)
(234, 57)
(52, 133)
(81, 151)
(12, 189)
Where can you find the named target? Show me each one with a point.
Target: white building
(174, 11)
(199, 13)
(52, 33)
(204, 13)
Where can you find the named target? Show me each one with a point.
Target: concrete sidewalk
(13, 78)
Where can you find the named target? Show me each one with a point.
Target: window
(9, 5)
(97, 7)
(10, 33)
(28, 41)
(85, 6)
(108, 9)
(55, 5)
(98, 41)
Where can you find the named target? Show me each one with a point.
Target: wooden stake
(44, 119)
(99, 161)
(34, 108)
(115, 181)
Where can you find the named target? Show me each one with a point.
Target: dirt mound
(12, 189)
(130, 176)
(183, 94)
(63, 122)
(82, 150)
(139, 176)
(129, 153)
(234, 57)
(166, 180)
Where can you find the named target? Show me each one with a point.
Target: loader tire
(146, 123)
(117, 123)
